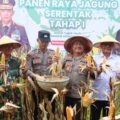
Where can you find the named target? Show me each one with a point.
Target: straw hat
(107, 39)
(7, 41)
(85, 41)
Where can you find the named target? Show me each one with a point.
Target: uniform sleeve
(29, 62)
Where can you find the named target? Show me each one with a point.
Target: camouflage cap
(44, 36)
(7, 4)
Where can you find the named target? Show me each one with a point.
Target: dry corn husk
(111, 113)
(22, 62)
(42, 107)
(116, 83)
(57, 92)
(55, 69)
(16, 85)
(55, 95)
(2, 90)
(88, 99)
(104, 65)
(9, 107)
(90, 63)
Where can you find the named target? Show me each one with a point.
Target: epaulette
(34, 52)
(68, 57)
(51, 50)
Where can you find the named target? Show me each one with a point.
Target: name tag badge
(50, 61)
(36, 61)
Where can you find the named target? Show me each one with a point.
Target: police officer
(8, 26)
(40, 59)
(77, 48)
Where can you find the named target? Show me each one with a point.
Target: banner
(66, 18)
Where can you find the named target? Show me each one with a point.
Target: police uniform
(15, 31)
(76, 75)
(77, 78)
(39, 62)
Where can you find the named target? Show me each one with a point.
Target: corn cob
(57, 53)
(69, 113)
(3, 59)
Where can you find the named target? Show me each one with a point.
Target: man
(12, 65)
(77, 47)
(101, 84)
(40, 59)
(8, 26)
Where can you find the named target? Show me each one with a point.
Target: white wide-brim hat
(107, 39)
(7, 41)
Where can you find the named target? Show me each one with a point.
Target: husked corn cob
(69, 113)
(57, 52)
(3, 59)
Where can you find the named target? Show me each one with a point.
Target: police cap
(7, 4)
(44, 36)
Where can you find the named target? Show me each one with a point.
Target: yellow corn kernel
(3, 59)
(104, 60)
(57, 53)
(68, 113)
(88, 58)
(22, 61)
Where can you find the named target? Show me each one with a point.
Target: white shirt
(101, 84)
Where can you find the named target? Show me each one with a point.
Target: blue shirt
(101, 84)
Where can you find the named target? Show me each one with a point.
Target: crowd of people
(78, 48)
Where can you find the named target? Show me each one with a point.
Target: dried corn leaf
(2, 90)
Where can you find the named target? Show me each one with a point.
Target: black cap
(44, 36)
(7, 4)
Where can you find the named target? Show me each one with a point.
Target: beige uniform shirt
(39, 62)
(76, 76)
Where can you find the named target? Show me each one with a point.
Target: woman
(77, 47)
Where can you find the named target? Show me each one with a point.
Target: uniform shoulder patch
(51, 52)
(34, 52)
(68, 57)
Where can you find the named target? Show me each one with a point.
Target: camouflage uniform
(11, 94)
